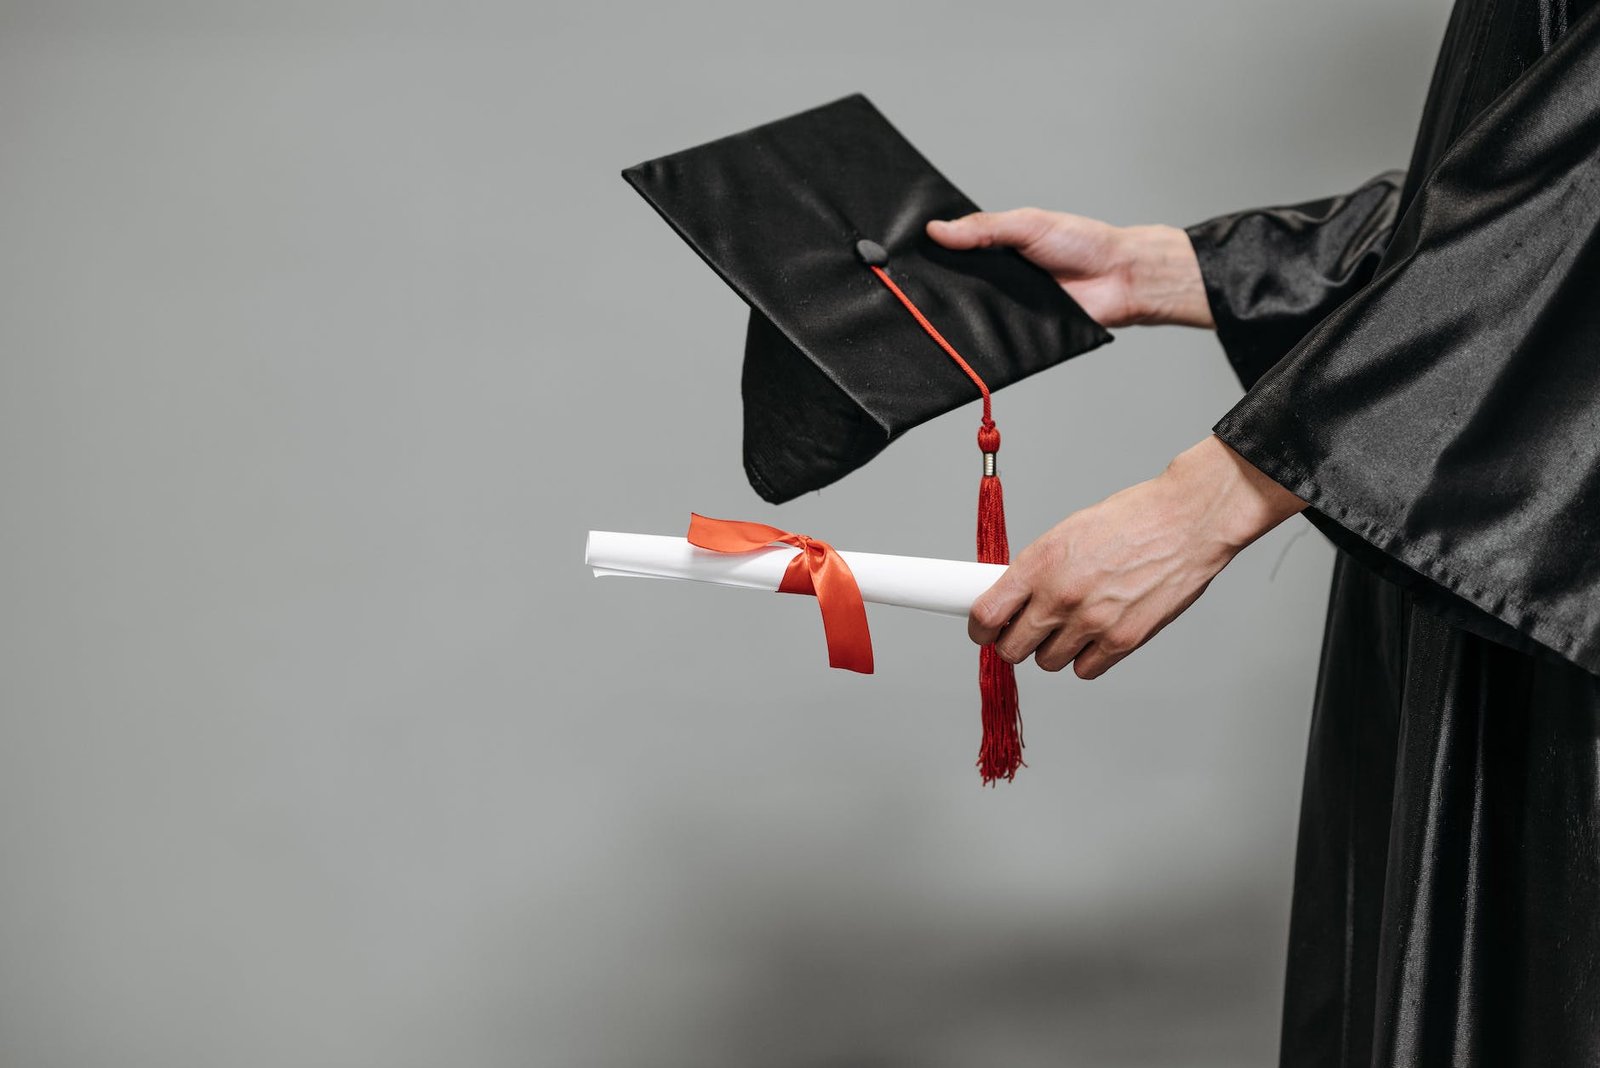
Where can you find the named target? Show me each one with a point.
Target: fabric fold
(1271, 274)
(1444, 421)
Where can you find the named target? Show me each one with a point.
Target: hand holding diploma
(1106, 579)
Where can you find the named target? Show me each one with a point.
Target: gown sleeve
(1271, 274)
(1443, 423)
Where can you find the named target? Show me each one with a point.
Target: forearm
(1241, 503)
(1164, 280)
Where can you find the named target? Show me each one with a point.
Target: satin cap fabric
(834, 367)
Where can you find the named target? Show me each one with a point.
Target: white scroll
(945, 586)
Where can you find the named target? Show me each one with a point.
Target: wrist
(1241, 502)
(1163, 274)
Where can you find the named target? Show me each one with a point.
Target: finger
(1096, 659)
(1059, 649)
(985, 229)
(996, 607)
(1023, 635)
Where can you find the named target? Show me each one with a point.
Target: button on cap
(871, 253)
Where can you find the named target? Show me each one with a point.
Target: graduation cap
(861, 326)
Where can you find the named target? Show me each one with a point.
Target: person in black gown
(1422, 365)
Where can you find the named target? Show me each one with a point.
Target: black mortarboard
(835, 368)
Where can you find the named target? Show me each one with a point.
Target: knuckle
(1097, 620)
(987, 614)
(978, 227)
(1112, 643)
(1033, 222)
(1070, 595)
(1120, 642)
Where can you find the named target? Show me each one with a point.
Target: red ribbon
(817, 570)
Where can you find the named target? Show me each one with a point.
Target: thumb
(1017, 228)
(996, 607)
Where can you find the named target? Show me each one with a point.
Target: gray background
(327, 331)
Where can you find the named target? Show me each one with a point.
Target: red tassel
(1000, 753)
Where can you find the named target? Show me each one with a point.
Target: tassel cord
(1000, 752)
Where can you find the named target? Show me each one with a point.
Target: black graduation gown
(1422, 360)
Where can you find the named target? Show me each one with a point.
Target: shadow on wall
(1189, 985)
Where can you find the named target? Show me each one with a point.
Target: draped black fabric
(1445, 419)
(1272, 272)
(1423, 366)
(1446, 902)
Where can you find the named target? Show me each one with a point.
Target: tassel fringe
(1000, 752)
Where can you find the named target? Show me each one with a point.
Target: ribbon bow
(817, 570)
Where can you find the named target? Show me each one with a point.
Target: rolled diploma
(945, 586)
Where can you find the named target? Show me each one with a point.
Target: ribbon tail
(844, 613)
